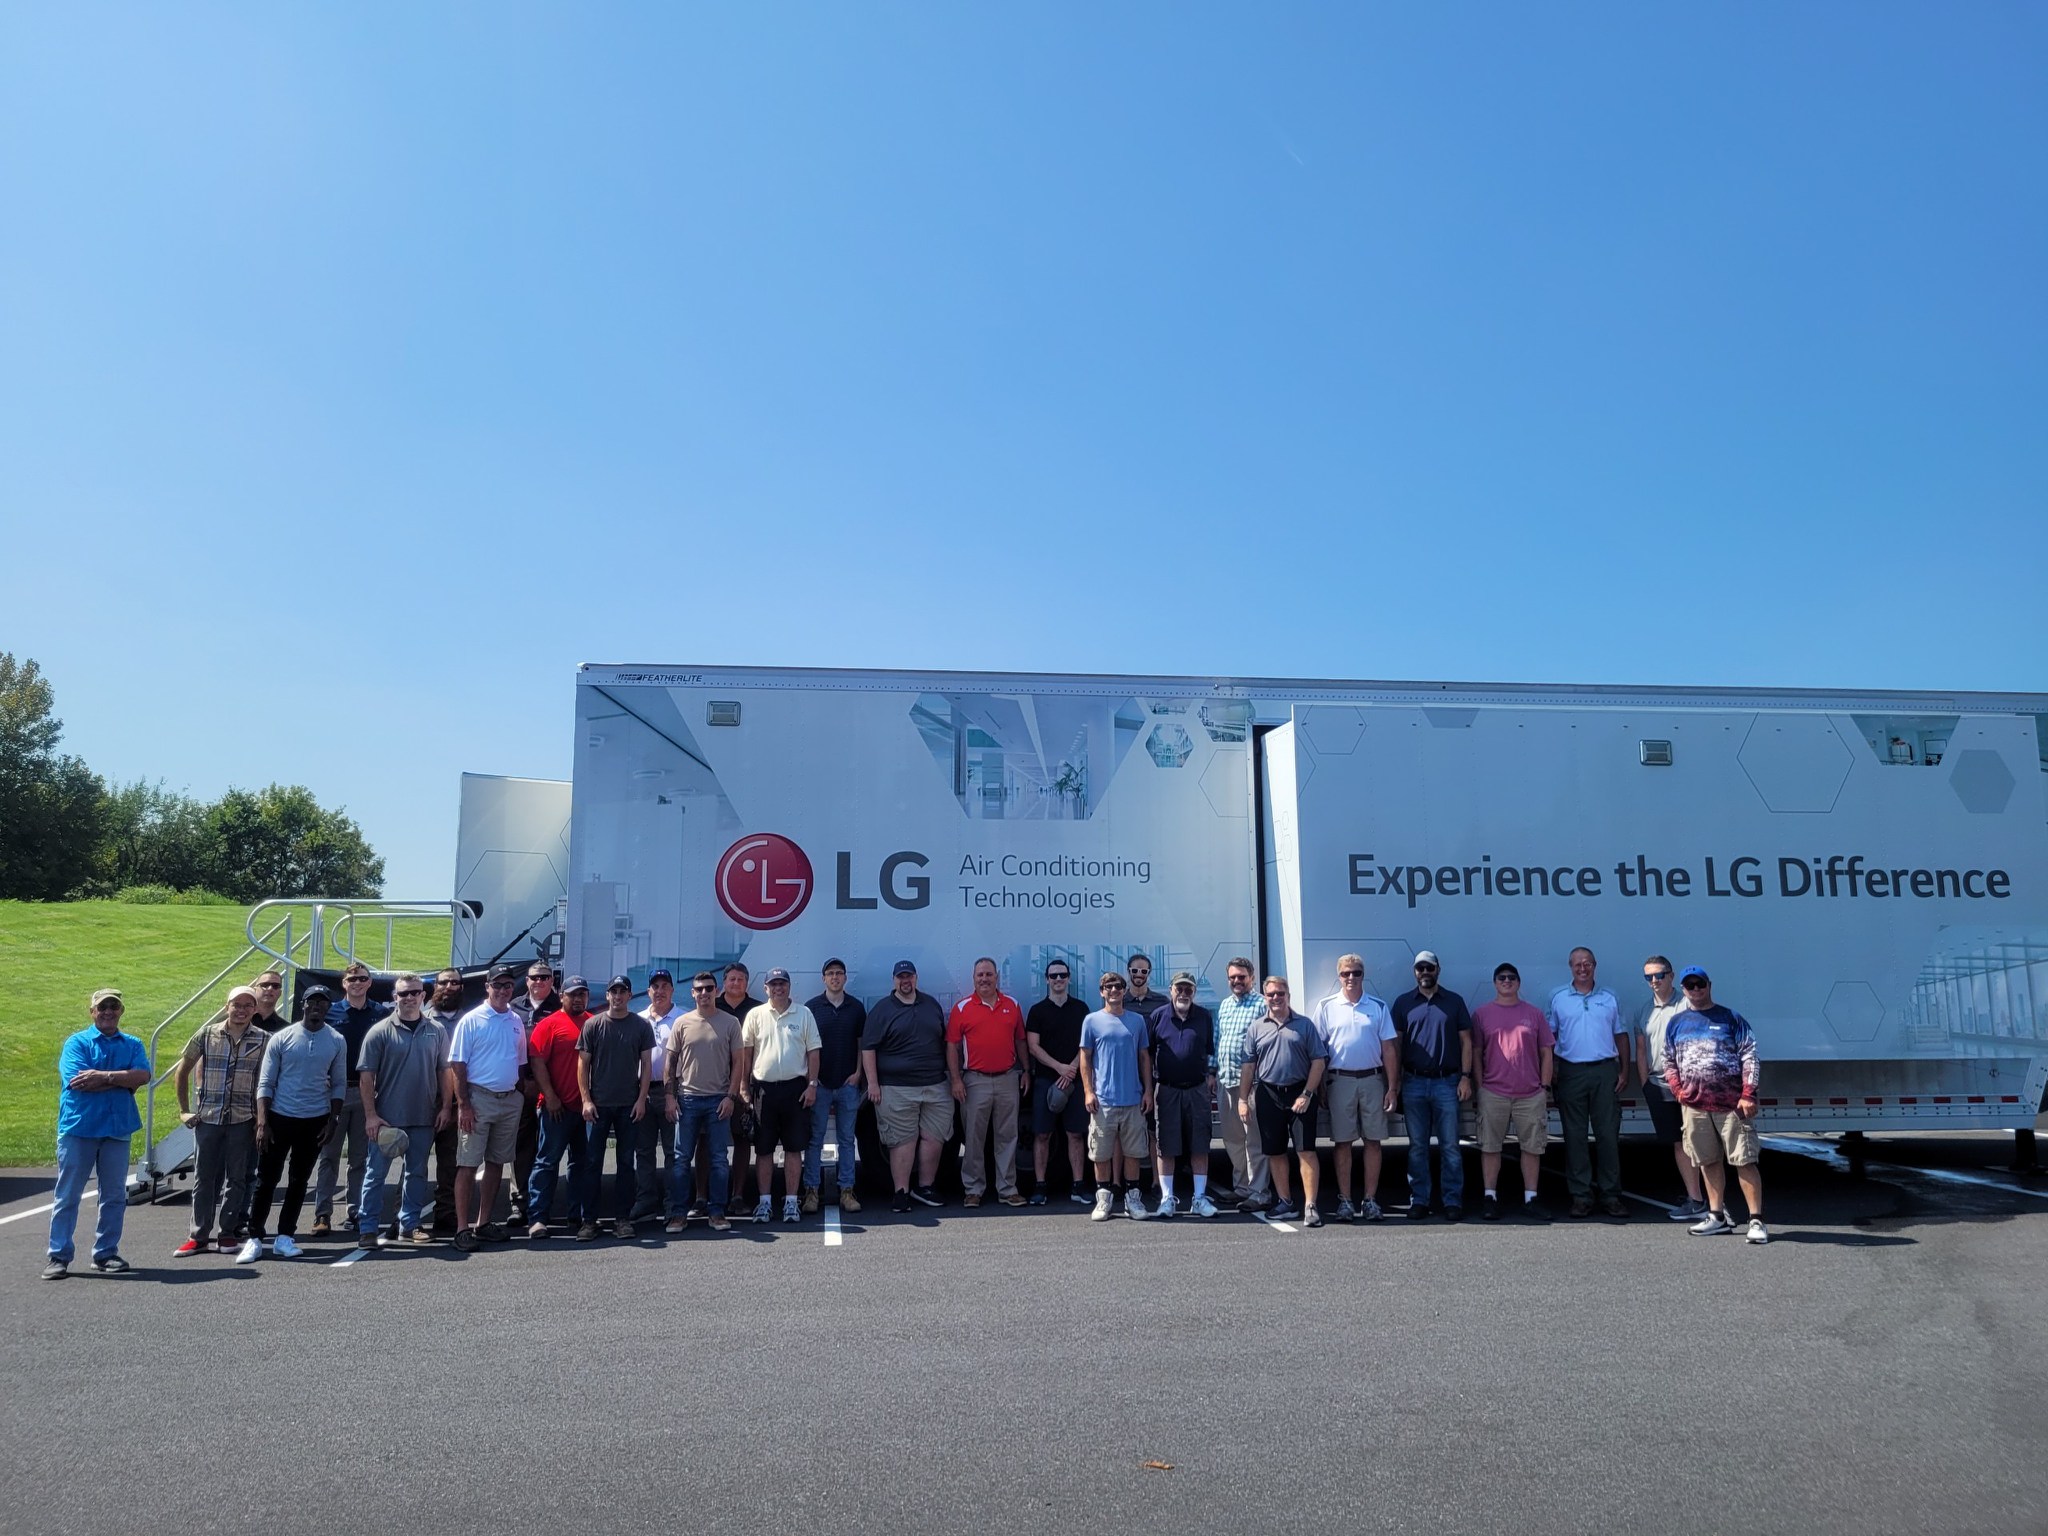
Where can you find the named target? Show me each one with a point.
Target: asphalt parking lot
(1880, 1366)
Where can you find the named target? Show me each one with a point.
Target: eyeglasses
(1112, 986)
(1425, 970)
(703, 986)
(355, 981)
(500, 986)
(269, 986)
(1656, 975)
(1351, 973)
(108, 1007)
(1695, 985)
(410, 992)
(1057, 976)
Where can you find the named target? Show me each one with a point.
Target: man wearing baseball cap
(903, 1054)
(1435, 1028)
(100, 1068)
(300, 1097)
(840, 1017)
(551, 1050)
(486, 1056)
(613, 1063)
(780, 1042)
(402, 1076)
(1710, 1066)
(227, 1055)
(1182, 1037)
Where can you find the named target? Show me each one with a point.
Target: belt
(984, 1072)
(1356, 1072)
(1195, 1087)
(1435, 1077)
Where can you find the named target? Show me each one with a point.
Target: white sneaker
(284, 1247)
(1169, 1206)
(1713, 1226)
(250, 1252)
(1758, 1232)
(791, 1211)
(1105, 1203)
(764, 1209)
(1203, 1206)
(1134, 1206)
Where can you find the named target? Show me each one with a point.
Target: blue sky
(362, 372)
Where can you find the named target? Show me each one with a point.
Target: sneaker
(624, 1230)
(1134, 1206)
(1203, 1207)
(469, 1242)
(676, 1224)
(719, 1223)
(1311, 1217)
(901, 1203)
(1370, 1211)
(1013, 1198)
(114, 1264)
(372, 1239)
(1417, 1211)
(764, 1209)
(1489, 1208)
(537, 1233)
(491, 1232)
(1612, 1206)
(1581, 1209)
(285, 1247)
(250, 1251)
(190, 1246)
(588, 1233)
(56, 1269)
(1687, 1209)
(1454, 1213)
(1169, 1206)
(322, 1227)
(1345, 1211)
(1037, 1197)
(1713, 1225)
(792, 1208)
(970, 1201)
(810, 1200)
(421, 1237)
(697, 1212)
(1254, 1205)
(1284, 1210)
(848, 1201)
(1105, 1203)
(1535, 1210)
(1758, 1232)
(228, 1245)
(926, 1194)
(1080, 1196)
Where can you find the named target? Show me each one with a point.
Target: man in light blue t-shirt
(1116, 1086)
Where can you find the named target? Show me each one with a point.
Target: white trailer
(1864, 874)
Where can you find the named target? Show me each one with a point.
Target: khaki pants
(990, 1100)
(1247, 1163)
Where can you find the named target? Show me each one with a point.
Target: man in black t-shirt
(1052, 1034)
(351, 1020)
(841, 1018)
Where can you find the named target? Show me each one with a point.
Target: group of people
(696, 1099)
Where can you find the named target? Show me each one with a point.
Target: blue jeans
(558, 1134)
(697, 1118)
(413, 1187)
(78, 1159)
(615, 1124)
(1430, 1105)
(843, 1101)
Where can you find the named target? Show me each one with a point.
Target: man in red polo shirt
(985, 1057)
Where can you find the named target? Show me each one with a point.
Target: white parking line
(1662, 1205)
(41, 1210)
(832, 1234)
(1279, 1226)
(353, 1256)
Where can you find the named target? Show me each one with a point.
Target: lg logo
(765, 881)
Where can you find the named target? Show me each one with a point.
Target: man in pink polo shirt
(1516, 1060)
(985, 1059)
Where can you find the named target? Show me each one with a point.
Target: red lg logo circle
(763, 881)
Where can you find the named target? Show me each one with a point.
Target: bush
(165, 896)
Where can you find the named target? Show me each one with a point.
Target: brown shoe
(720, 1224)
(1013, 1198)
(810, 1201)
(1581, 1209)
(322, 1227)
(1612, 1206)
(971, 1201)
(848, 1201)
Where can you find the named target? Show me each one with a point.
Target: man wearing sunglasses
(1650, 1028)
(402, 1077)
(486, 1058)
(704, 1084)
(1710, 1066)
(1116, 1082)
(1284, 1061)
(1593, 1066)
(1052, 1035)
(444, 1011)
(539, 1000)
(352, 1021)
(269, 990)
(1365, 1080)
(100, 1068)
(1436, 1081)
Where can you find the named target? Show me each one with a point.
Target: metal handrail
(156, 1078)
(330, 919)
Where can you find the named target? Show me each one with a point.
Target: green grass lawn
(53, 955)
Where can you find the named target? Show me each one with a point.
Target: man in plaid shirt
(228, 1055)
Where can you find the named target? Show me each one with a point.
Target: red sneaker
(190, 1246)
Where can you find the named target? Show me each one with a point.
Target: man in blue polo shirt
(100, 1069)
(1593, 1057)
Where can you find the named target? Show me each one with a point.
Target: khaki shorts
(905, 1114)
(1528, 1117)
(1114, 1128)
(496, 1136)
(1358, 1108)
(1714, 1138)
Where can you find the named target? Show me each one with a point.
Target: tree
(154, 836)
(280, 842)
(50, 804)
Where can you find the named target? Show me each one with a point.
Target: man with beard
(352, 1021)
(445, 1010)
(551, 1050)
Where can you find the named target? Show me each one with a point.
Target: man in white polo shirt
(781, 1045)
(1364, 1080)
(485, 1055)
(657, 1127)
(1593, 1059)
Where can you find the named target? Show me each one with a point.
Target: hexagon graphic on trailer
(1797, 763)
(1333, 729)
(1169, 746)
(1854, 1011)
(1226, 785)
(1981, 781)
